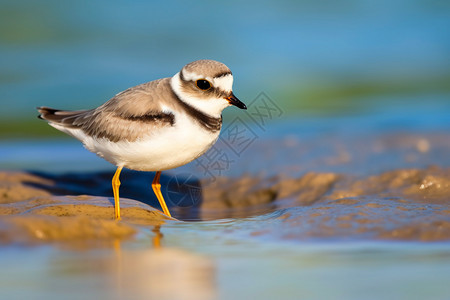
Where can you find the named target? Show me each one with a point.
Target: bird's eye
(203, 84)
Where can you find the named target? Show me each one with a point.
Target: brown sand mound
(400, 204)
(32, 214)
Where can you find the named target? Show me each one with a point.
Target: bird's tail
(66, 118)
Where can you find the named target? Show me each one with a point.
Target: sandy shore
(407, 204)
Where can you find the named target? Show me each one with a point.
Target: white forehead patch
(224, 83)
(191, 76)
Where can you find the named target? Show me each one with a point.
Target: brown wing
(127, 116)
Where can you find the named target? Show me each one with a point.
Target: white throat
(212, 106)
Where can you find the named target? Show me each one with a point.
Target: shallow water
(205, 261)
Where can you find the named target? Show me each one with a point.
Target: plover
(155, 126)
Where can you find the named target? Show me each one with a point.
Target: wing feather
(122, 117)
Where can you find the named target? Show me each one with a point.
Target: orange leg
(115, 186)
(156, 186)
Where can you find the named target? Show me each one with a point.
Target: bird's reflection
(157, 237)
(139, 269)
(161, 272)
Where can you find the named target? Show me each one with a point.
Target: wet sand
(404, 204)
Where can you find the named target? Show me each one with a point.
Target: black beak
(232, 99)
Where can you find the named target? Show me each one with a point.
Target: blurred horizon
(333, 58)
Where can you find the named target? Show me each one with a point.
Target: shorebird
(155, 126)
